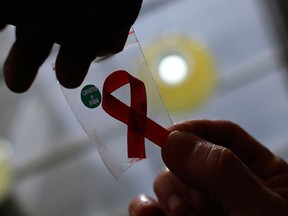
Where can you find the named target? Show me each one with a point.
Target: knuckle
(222, 163)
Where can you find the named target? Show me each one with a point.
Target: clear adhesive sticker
(119, 107)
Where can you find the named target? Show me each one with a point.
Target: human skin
(216, 168)
(84, 30)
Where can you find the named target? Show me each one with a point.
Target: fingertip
(143, 205)
(27, 54)
(18, 75)
(71, 77)
(71, 69)
(14, 83)
(178, 147)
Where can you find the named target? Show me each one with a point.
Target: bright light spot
(143, 198)
(173, 69)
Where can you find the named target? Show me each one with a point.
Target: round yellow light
(191, 68)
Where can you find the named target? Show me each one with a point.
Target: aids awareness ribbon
(139, 125)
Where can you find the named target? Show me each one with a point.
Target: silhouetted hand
(84, 29)
(216, 168)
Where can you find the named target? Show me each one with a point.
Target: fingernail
(144, 205)
(142, 200)
(179, 145)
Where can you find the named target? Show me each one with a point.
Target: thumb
(214, 170)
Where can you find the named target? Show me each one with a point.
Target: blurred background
(210, 60)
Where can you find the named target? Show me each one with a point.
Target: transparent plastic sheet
(109, 134)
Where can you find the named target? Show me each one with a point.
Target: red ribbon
(135, 116)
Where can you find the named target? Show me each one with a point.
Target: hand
(216, 168)
(84, 29)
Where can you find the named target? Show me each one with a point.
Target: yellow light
(183, 70)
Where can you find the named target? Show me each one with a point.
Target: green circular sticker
(91, 96)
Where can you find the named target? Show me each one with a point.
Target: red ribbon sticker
(135, 116)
